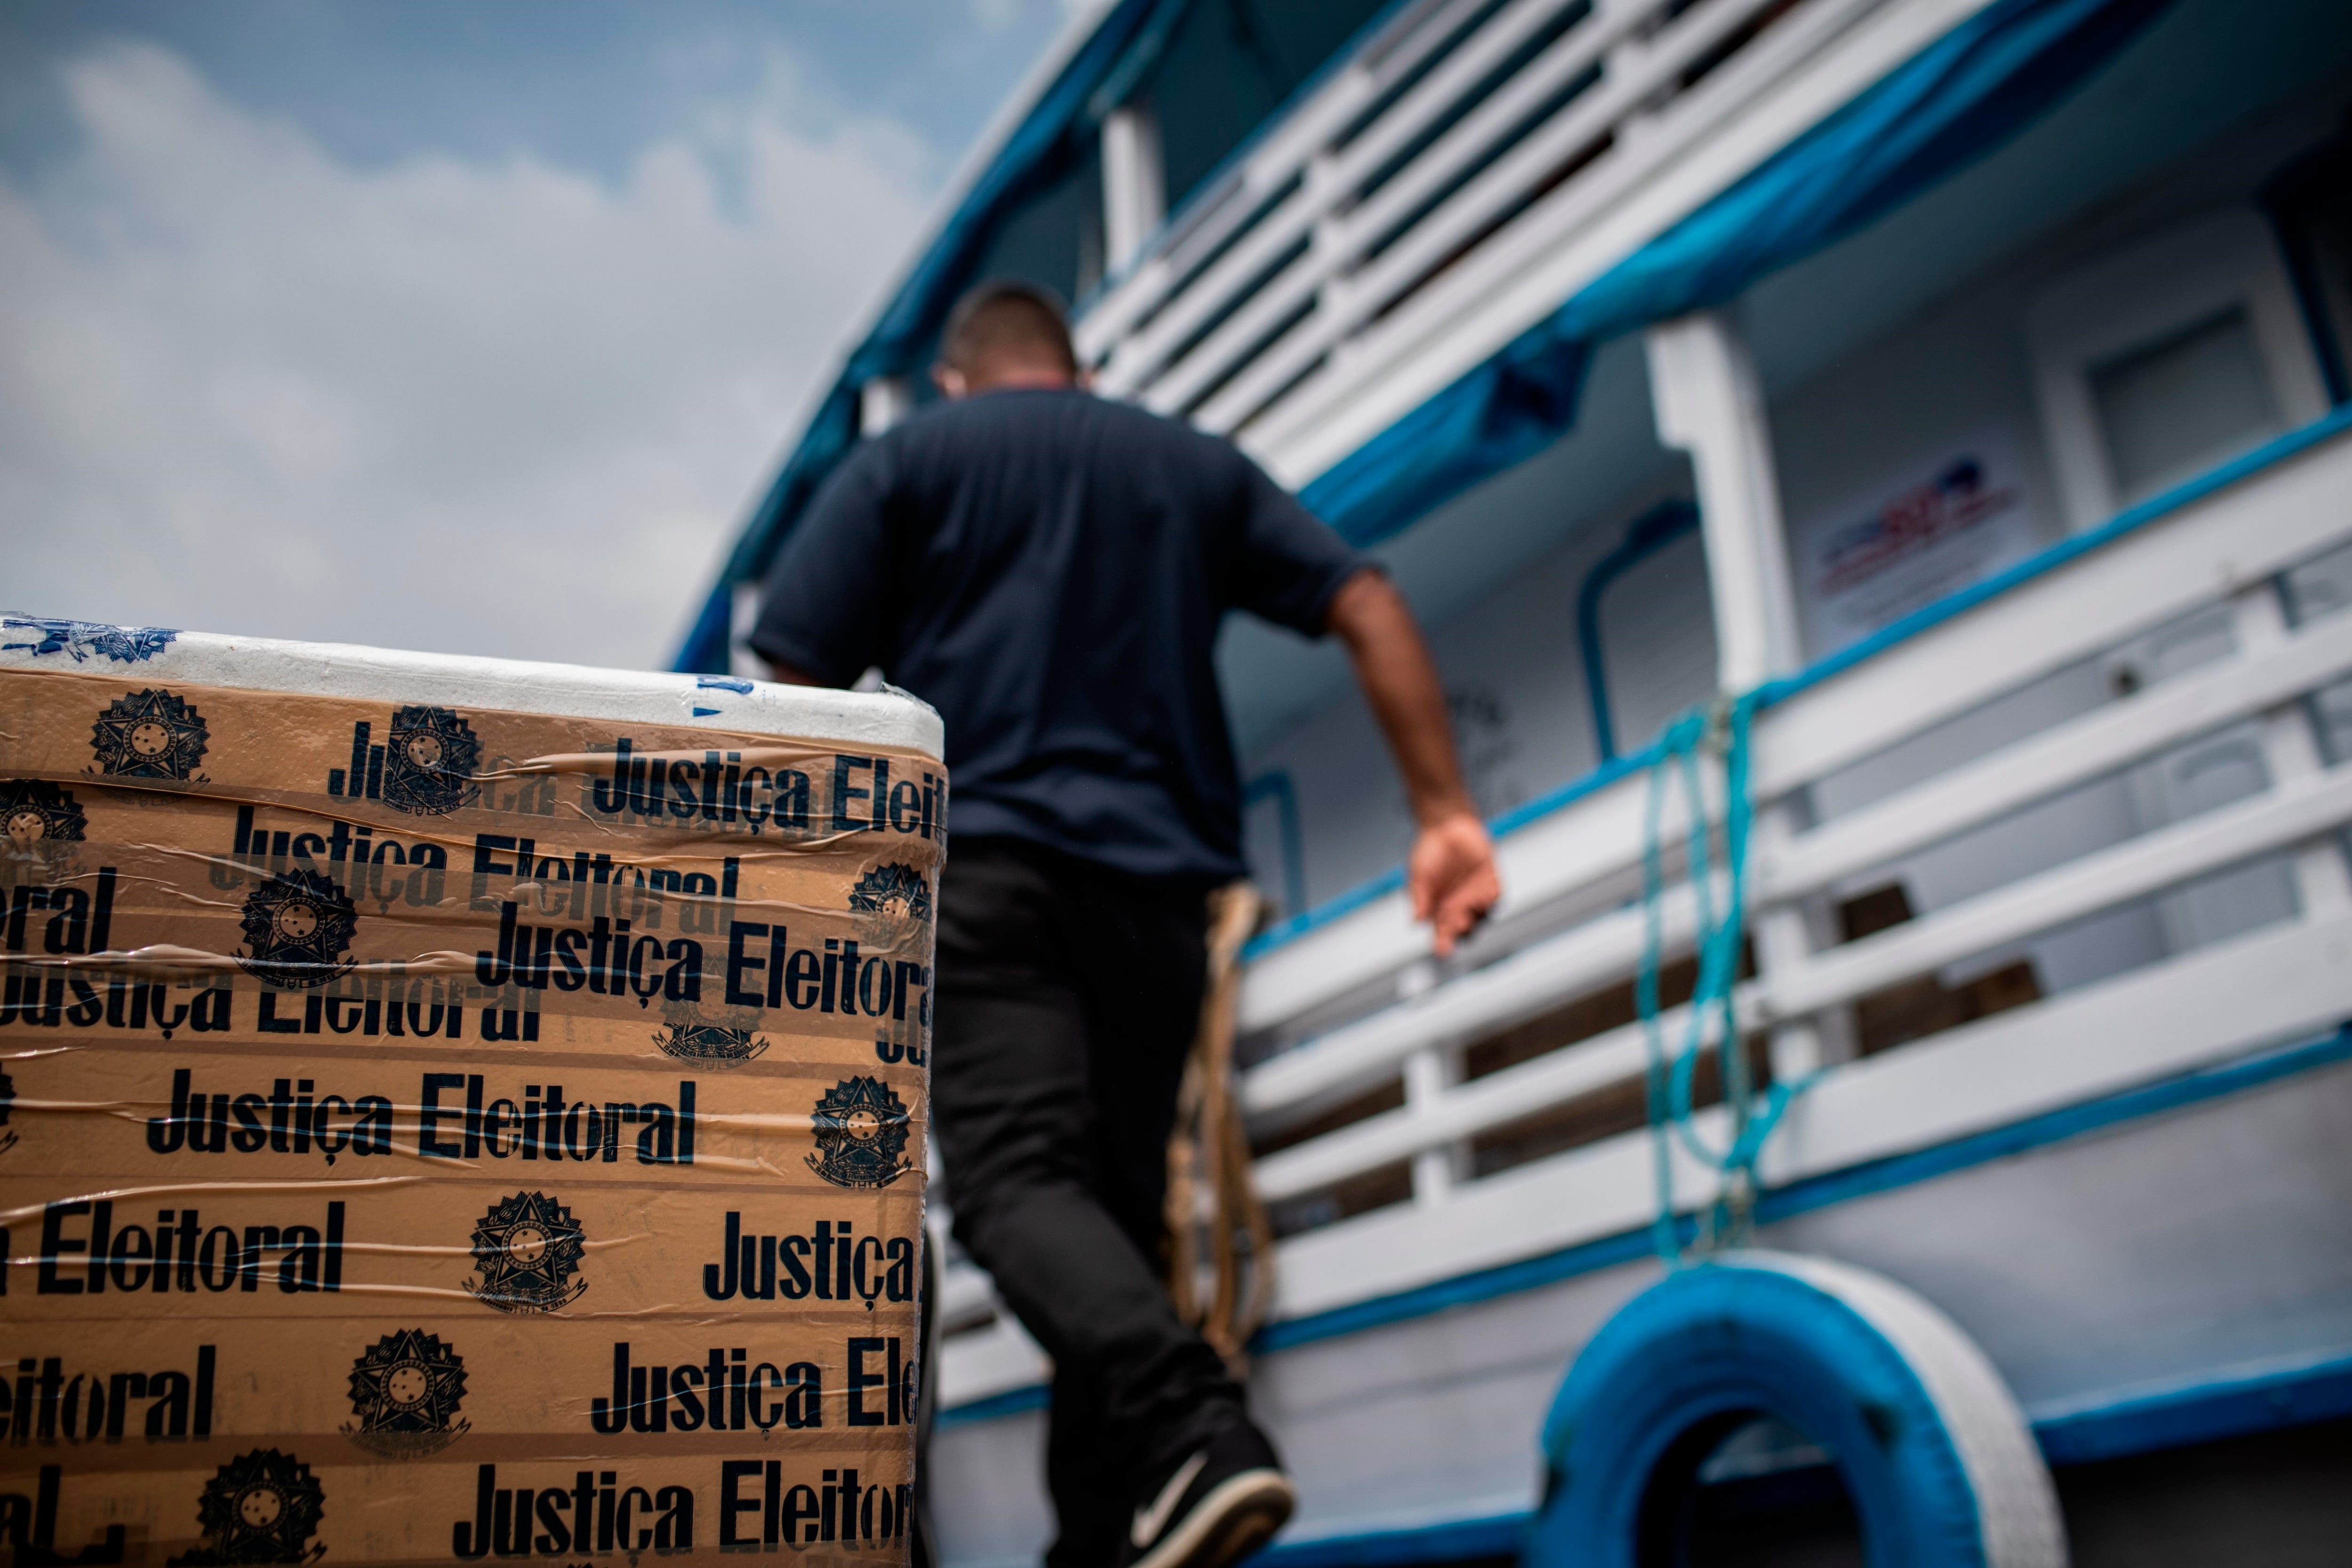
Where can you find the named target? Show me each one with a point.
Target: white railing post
(1135, 197)
(1623, 62)
(743, 613)
(2290, 752)
(882, 402)
(1787, 936)
(1328, 240)
(1428, 1074)
(1710, 403)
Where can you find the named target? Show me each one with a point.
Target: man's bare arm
(1451, 872)
(786, 675)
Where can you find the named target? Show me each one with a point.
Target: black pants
(1067, 997)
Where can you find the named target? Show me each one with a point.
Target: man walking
(1048, 568)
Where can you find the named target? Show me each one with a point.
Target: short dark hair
(1005, 319)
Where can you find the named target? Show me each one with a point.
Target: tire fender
(1942, 1469)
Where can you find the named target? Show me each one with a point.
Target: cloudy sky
(470, 327)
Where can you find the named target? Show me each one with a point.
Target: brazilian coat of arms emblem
(34, 811)
(526, 1250)
(299, 926)
(705, 1040)
(150, 734)
(887, 900)
(404, 1393)
(900, 890)
(262, 1507)
(428, 760)
(861, 1129)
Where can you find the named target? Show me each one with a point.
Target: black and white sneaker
(1216, 1507)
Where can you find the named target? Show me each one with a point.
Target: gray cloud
(475, 407)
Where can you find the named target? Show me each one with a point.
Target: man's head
(1004, 334)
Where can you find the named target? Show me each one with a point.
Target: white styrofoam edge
(890, 718)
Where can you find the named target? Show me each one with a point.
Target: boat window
(2175, 408)
(2157, 361)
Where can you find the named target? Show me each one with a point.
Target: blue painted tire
(1941, 1468)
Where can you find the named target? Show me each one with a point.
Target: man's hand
(1452, 878)
(1451, 872)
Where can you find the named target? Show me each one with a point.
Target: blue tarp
(1955, 101)
(1950, 104)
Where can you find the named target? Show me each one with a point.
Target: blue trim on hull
(2199, 1412)
(2186, 1090)
(1012, 1402)
(1835, 1188)
(1495, 1535)
(2205, 1413)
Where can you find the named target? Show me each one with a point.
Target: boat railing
(2225, 544)
(1457, 142)
(1570, 927)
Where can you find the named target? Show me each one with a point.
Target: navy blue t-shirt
(1048, 570)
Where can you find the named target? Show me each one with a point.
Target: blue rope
(1722, 728)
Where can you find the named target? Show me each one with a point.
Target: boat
(1875, 474)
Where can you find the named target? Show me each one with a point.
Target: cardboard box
(455, 1108)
